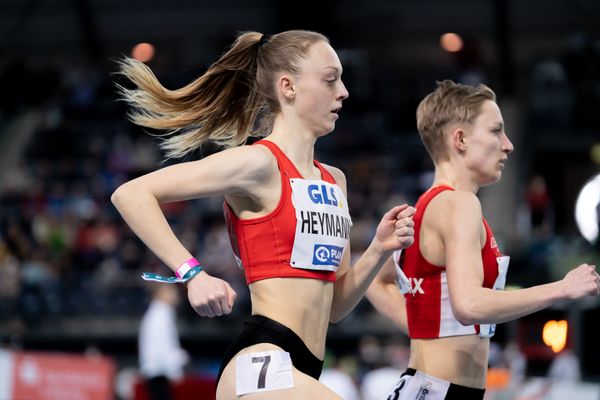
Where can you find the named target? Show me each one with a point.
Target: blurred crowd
(64, 250)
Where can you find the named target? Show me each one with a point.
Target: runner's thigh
(305, 386)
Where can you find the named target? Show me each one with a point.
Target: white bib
(322, 224)
(401, 278)
(488, 330)
(263, 372)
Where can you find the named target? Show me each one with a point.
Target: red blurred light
(143, 52)
(451, 42)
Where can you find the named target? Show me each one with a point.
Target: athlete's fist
(582, 281)
(396, 229)
(210, 296)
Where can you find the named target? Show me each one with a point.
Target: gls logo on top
(325, 254)
(319, 194)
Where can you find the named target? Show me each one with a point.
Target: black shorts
(260, 329)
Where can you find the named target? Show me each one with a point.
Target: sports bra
(428, 306)
(304, 236)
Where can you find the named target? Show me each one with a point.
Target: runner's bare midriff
(301, 304)
(457, 359)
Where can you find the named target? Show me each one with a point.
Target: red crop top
(264, 246)
(428, 306)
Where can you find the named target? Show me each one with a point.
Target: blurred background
(71, 300)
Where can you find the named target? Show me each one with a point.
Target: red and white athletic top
(304, 236)
(428, 305)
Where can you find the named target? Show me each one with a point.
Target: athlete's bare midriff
(458, 359)
(301, 304)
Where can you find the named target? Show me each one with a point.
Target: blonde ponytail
(225, 104)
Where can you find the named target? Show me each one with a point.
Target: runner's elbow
(334, 319)
(119, 196)
(466, 312)
(336, 316)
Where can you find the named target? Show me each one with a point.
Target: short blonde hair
(449, 103)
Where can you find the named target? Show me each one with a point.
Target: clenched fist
(210, 296)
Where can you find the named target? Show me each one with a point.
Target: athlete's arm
(386, 297)
(461, 231)
(231, 172)
(395, 231)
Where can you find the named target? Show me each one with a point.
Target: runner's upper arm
(461, 233)
(232, 171)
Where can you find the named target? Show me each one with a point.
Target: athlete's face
(486, 144)
(319, 89)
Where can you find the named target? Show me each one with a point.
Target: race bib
(488, 330)
(263, 371)
(401, 278)
(322, 225)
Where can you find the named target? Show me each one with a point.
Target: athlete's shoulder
(459, 198)
(262, 154)
(456, 205)
(256, 160)
(337, 174)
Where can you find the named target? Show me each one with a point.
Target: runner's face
(487, 146)
(319, 89)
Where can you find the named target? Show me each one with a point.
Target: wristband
(191, 271)
(185, 267)
(148, 276)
